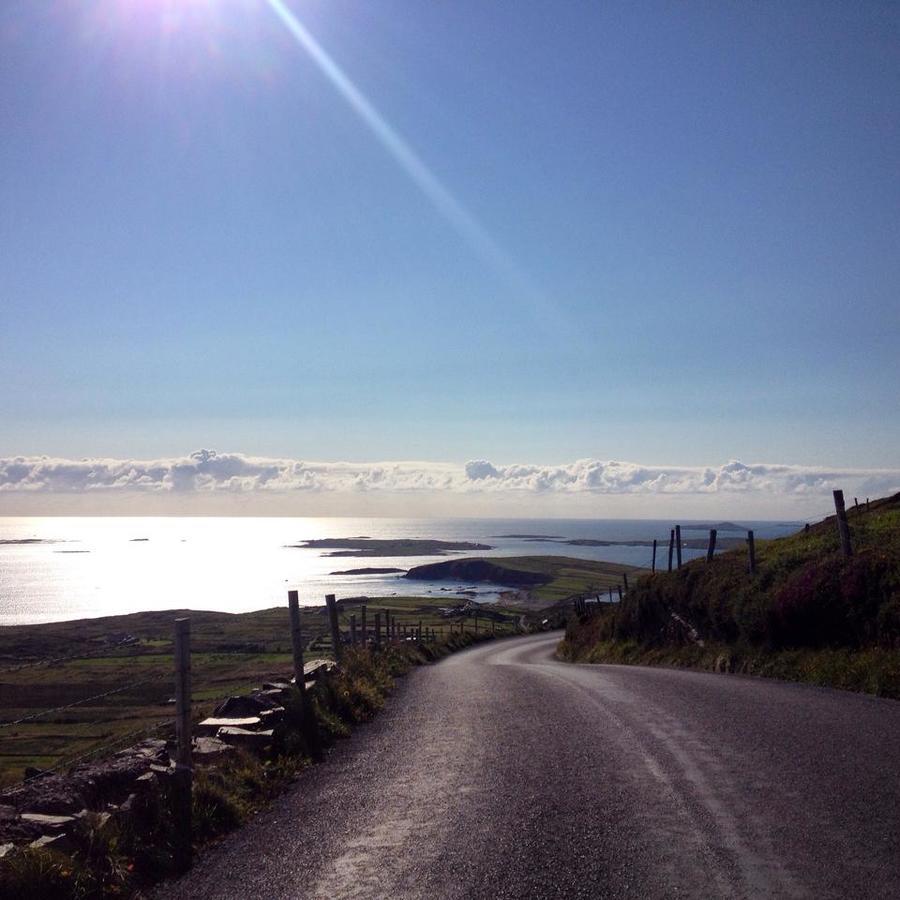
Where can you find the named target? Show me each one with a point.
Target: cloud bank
(210, 472)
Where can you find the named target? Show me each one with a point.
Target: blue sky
(204, 246)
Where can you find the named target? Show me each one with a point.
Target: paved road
(503, 773)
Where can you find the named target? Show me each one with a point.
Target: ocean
(85, 567)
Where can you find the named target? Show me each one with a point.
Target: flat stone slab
(209, 727)
(60, 842)
(48, 822)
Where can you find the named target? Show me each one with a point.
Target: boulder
(6, 849)
(146, 782)
(272, 717)
(155, 750)
(13, 828)
(209, 749)
(316, 668)
(276, 687)
(257, 741)
(98, 821)
(243, 707)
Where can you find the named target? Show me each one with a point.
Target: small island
(369, 571)
(705, 526)
(395, 547)
(724, 543)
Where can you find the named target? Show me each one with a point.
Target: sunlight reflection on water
(242, 564)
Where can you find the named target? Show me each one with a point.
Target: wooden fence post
(711, 549)
(296, 640)
(653, 567)
(678, 544)
(620, 593)
(181, 779)
(610, 594)
(183, 691)
(419, 632)
(843, 527)
(751, 549)
(365, 630)
(625, 576)
(336, 646)
(671, 546)
(378, 631)
(353, 630)
(309, 724)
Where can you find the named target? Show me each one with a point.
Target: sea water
(86, 567)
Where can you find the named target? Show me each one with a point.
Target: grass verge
(807, 613)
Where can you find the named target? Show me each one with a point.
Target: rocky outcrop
(477, 570)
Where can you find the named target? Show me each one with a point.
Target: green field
(45, 667)
(568, 576)
(118, 670)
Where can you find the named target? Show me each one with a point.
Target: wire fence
(107, 653)
(107, 748)
(131, 686)
(96, 724)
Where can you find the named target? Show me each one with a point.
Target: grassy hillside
(807, 613)
(70, 689)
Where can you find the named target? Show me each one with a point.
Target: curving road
(503, 773)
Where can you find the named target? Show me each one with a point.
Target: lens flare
(466, 225)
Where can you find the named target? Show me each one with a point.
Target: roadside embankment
(807, 612)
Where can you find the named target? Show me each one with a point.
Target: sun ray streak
(428, 183)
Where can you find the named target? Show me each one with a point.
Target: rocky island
(389, 547)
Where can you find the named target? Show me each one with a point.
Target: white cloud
(207, 472)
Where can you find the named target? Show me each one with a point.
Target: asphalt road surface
(500, 772)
